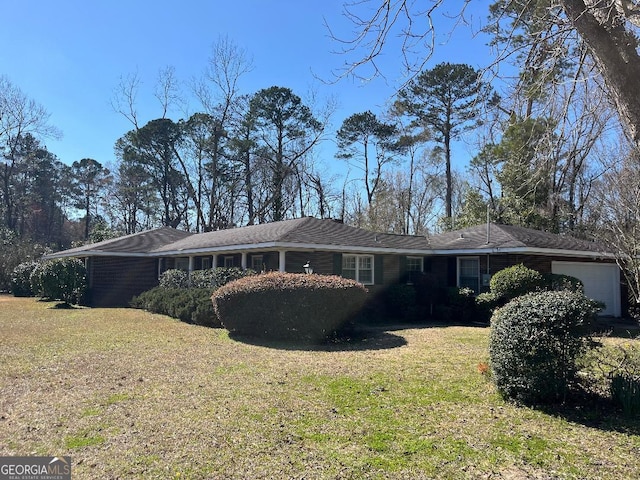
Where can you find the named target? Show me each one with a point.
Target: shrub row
(210, 278)
(191, 305)
(289, 306)
(62, 279)
(188, 299)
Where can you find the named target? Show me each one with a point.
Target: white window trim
(255, 258)
(458, 270)
(373, 267)
(181, 260)
(229, 259)
(421, 263)
(408, 272)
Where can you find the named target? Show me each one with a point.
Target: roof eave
(524, 251)
(292, 246)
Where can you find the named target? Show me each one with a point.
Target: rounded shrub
(288, 305)
(515, 281)
(174, 278)
(535, 343)
(62, 279)
(21, 279)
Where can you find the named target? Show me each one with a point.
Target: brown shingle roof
(509, 237)
(136, 243)
(307, 231)
(310, 232)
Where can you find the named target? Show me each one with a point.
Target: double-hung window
(414, 267)
(182, 263)
(257, 263)
(358, 268)
(469, 273)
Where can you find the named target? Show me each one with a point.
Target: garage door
(601, 282)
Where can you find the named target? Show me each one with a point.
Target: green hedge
(535, 343)
(21, 279)
(191, 305)
(62, 279)
(516, 281)
(289, 306)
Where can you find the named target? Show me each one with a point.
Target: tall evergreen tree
(446, 99)
(286, 131)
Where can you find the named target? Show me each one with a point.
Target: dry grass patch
(129, 394)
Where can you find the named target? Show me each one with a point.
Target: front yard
(128, 394)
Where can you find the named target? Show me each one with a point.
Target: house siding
(113, 281)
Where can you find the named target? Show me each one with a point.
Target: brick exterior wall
(113, 281)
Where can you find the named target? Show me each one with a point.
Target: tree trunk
(614, 49)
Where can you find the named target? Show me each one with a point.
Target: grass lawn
(128, 394)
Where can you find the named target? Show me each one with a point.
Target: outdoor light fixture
(308, 268)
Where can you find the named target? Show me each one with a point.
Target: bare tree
(21, 120)
(608, 27)
(619, 217)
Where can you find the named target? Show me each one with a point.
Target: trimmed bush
(535, 343)
(21, 279)
(62, 279)
(216, 277)
(515, 281)
(557, 282)
(289, 305)
(174, 278)
(191, 305)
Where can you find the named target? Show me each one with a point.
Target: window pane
(364, 263)
(469, 273)
(348, 262)
(365, 269)
(349, 266)
(365, 276)
(414, 264)
(256, 263)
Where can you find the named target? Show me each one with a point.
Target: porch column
(282, 259)
(214, 261)
(192, 263)
(243, 260)
(160, 260)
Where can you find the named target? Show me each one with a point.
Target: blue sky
(69, 57)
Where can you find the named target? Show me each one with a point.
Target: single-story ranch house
(123, 267)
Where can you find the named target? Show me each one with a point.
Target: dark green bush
(21, 279)
(216, 277)
(625, 391)
(288, 305)
(174, 278)
(62, 279)
(515, 281)
(535, 343)
(557, 282)
(400, 300)
(486, 303)
(191, 305)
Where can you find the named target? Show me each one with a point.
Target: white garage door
(601, 282)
